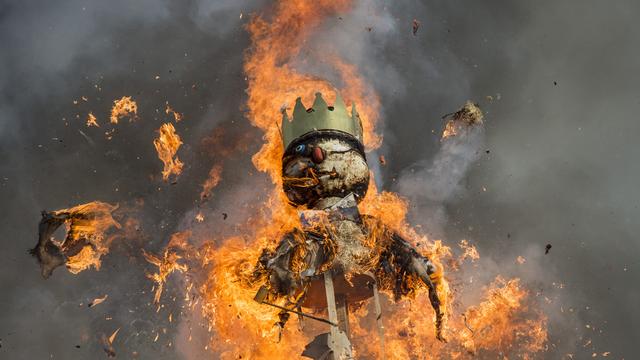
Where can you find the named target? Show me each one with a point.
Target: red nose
(317, 155)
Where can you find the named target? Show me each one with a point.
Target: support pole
(376, 300)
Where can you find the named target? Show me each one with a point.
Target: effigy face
(324, 164)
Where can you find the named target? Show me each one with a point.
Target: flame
(212, 181)
(503, 322)
(167, 145)
(169, 111)
(122, 107)
(92, 121)
(168, 263)
(274, 83)
(494, 324)
(88, 224)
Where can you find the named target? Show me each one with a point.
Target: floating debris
(98, 301)
(92, 121)
(167, 145)
(415, 26)
(169, 111)
(122, 107)
(85, 241)
(468, 117)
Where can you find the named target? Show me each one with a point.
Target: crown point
(298, 109)
(319, 104)
(339, 103)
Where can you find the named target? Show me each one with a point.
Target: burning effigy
(338, 256)
(325, 244)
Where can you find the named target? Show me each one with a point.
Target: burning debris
(85, 242)
(169, 111)
(468, 117)
(107, 343)
(168, 263)
(98, 301)
(122, 107)
(415, 25)
(167, 145)
(92, 121)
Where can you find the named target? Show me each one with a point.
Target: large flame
(502, 323)
(274, 83)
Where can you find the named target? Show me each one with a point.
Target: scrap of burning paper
(122, 107)
(167, 144)
(85, 241)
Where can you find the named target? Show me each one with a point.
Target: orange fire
(87, 226)
(92, 121)
(169, 111)
(122, 107)
(274, 83)
(504, 321)
(168, 263)
(167, 145)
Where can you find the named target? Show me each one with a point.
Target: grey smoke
(431, 183)
(562, 167)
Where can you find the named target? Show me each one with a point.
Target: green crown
(320, 117)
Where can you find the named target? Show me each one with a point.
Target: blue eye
(300, 148)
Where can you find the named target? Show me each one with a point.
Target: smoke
(433, 182)
(561, 168)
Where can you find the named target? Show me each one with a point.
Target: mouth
(310, 178)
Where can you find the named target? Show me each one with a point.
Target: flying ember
(123, 107)
(167, 144)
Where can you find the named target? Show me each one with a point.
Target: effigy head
(324, 156)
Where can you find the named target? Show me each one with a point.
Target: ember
(92, 121)
(169, 111)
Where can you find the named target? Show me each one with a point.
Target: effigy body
(337, 251)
